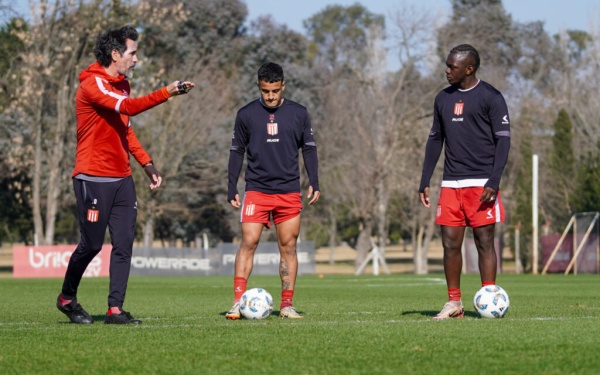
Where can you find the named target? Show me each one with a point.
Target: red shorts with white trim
(461, 207)
(259, 207)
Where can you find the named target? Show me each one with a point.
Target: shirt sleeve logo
(459, 108)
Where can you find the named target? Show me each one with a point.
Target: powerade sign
(219, 260)
(171, 261)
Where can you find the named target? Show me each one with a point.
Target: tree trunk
(382, 205)
(424, 236)
(418, 257)
(332, 236)
(55, 156)
(364, 243)
(149, 225)
(38, 224)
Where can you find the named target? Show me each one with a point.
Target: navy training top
(475, 127)
(271, 137)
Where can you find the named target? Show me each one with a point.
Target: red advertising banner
(52, 261)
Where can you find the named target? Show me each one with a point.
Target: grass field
(352, 325)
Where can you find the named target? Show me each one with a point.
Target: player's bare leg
(484, 241)
(287, 236)
(452, 238)
(244, 260)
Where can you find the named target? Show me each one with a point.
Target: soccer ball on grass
(491, 302)
(256, 303)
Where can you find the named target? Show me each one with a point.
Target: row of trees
(371, 123)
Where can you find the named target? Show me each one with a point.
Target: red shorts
(259, 207)
(461, 207)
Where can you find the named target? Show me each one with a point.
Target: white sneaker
(289, 312)
(452, 309)
(234, 312)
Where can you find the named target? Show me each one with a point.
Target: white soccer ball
(491, 302)
(256, 303)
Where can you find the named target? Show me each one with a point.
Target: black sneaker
(123, 318)
(74, 311)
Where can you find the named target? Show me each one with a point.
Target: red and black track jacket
(105, 137)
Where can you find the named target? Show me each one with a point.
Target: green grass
(352, 325)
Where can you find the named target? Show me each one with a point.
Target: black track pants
(101, 205)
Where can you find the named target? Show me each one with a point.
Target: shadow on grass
(98, 318)
(432, 313)
(95, 319)
(274, 313)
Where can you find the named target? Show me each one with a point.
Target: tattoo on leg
(284, 273)
(283, 269)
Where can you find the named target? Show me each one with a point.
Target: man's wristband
(147, 164)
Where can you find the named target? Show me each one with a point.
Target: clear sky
(556, 14)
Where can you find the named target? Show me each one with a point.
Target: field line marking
(22, 326)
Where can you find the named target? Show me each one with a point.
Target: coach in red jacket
(102, 178)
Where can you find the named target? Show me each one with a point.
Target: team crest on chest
(272, 125)
(272, 128)
(459, 108)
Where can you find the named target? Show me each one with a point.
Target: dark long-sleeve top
(272, 138)
(475, 127)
